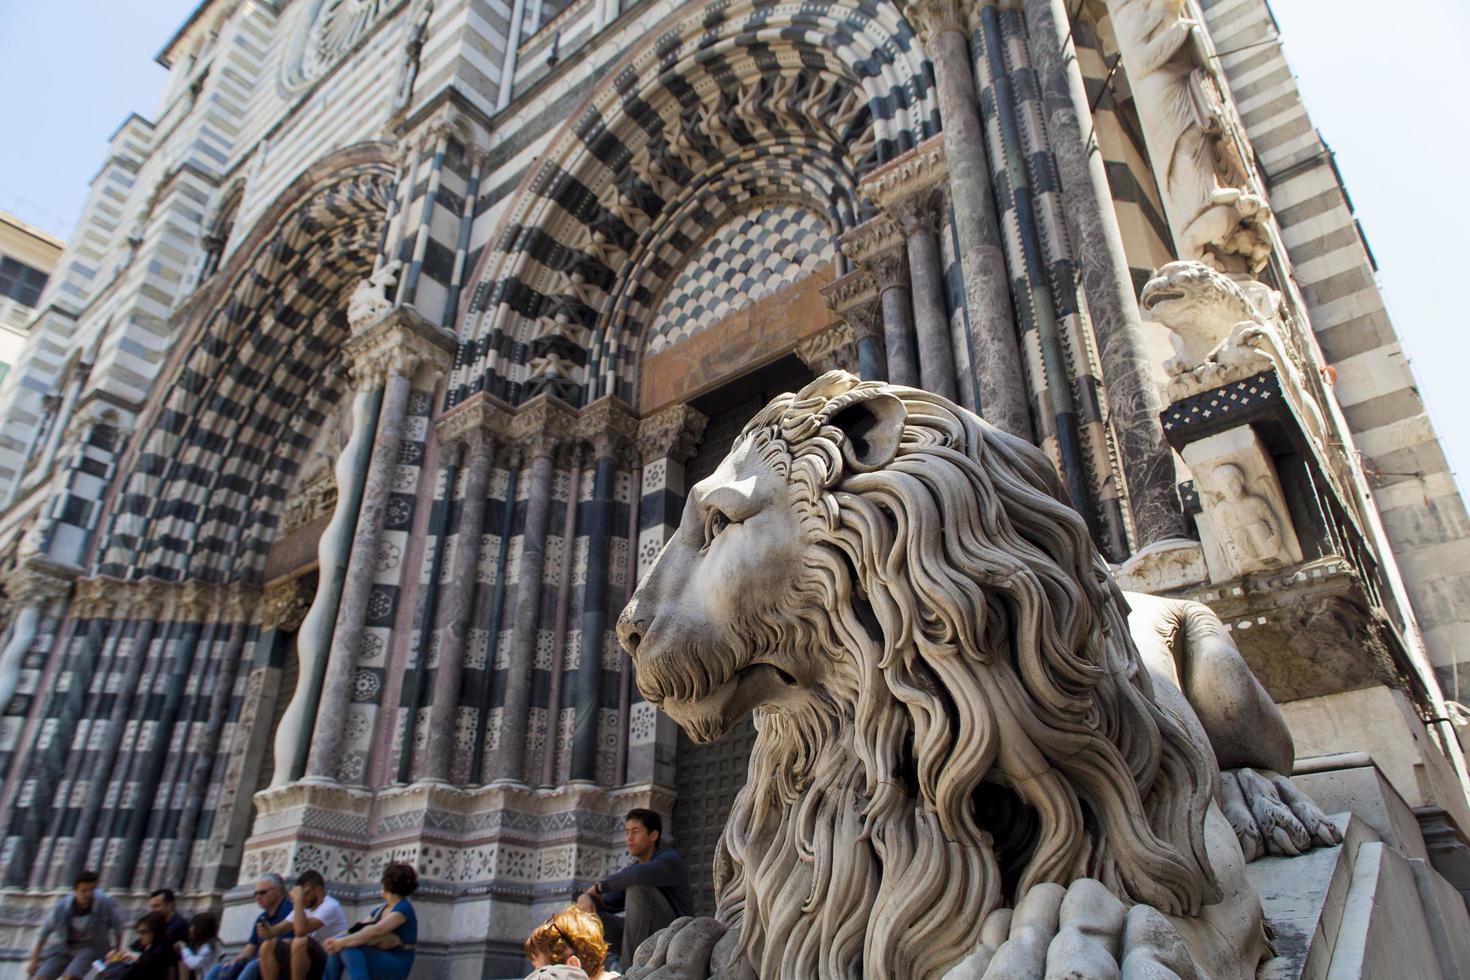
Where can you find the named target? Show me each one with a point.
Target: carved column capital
(96, 598)
(542, 424)
(912, 189)
(608, 425)
(284, 604)
(931, 18)
(877, 245)
(671, 432)
(479, 417)
(831, 349)
(37, 581)
(855, 298)
(398, 343)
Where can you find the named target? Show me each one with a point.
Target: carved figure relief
(1244, 527)
(1212, 212)
(1223, 330)
(370, 299)
(925, 607)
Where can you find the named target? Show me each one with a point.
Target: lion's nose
(631, 628)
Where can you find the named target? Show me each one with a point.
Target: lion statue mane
(950, 709)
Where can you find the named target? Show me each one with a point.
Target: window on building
(20, 282)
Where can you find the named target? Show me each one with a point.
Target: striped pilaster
(666, 441)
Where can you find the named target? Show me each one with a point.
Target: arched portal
(715, 114)
(211, 471)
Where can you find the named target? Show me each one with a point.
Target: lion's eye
(714, 523)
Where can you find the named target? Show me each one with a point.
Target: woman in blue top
(381, 946)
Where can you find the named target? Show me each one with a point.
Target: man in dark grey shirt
(641, 899)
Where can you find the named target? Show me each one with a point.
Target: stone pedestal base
(1359, 910)
(1382, 722)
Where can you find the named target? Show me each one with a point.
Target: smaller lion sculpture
(965, 763)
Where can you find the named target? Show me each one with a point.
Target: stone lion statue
(965, 764)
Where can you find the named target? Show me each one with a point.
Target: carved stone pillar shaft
(454, 609)
(1106, 280)
(594, 618)
(931, 325)
(997, 353)
(313, 641)
(510, 755)
(898, 325)
(326, 740)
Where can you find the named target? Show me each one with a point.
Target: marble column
(313, 640)
(190, 611)
(910, 190)
(877, 247)
(285, 606)
(540, 426)
(31, 587)
(391, 348)
(608, 426)
(997, 353)
(854, 298)
(454, 607)
(1106, 281)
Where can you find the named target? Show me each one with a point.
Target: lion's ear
(873, 427)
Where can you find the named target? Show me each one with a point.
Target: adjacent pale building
(384, 354)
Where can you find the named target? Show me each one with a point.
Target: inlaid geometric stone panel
(749, 257)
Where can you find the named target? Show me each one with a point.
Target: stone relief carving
(1215, 216)
(1224, 330)
(1245, 527)
(904, 548)
(370, 299)
(335, 28)
(408, 70)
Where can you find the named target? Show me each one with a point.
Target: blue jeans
(370, 963)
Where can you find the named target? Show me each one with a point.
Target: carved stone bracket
(398, 342)
(671, 432)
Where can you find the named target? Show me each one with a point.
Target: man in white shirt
(315, 918)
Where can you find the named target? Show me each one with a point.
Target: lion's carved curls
(985, 711)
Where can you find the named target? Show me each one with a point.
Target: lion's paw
(1082, 930)
(679, 952)
(1271, 816)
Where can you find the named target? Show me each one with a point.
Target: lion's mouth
(706, 717)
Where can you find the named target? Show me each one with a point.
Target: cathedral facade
(383, 357)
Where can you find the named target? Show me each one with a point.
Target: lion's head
(948, 703)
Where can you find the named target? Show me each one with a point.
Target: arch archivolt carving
(796, 101)
(211, 470)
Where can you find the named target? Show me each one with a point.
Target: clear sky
(1387, 93)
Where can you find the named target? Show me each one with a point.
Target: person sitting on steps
(380, 947)
(644, 897)
(315, 918)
